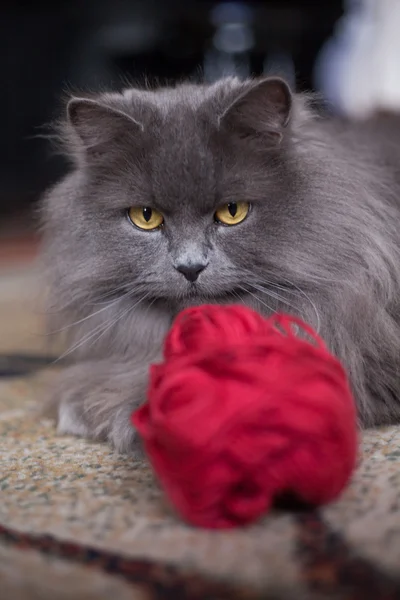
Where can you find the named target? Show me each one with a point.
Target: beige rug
(77, 521)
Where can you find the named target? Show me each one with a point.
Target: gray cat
(230, 193)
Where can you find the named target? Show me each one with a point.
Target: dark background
(48, 48)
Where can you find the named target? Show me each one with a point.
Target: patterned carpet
(77, 521)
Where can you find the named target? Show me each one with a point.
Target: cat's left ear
(98, 125)
(262, 107)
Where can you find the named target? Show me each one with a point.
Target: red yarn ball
(243, 410)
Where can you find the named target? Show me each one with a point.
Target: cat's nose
(192, 271)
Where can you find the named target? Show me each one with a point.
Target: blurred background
(348, 50)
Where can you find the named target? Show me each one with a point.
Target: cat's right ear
(262, 107)
(96, 125)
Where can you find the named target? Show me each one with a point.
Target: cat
(233, 192)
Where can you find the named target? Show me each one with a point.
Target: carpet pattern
(78, 521)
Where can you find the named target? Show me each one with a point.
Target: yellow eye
(232, 213)
(146, 218)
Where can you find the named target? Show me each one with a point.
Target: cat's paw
(70, 422)
(115, 428)
(96, 402)
(122, 436)
(119, 432)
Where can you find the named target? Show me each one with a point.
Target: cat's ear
(96, 124)
(262, 107)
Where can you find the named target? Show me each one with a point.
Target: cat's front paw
(122, 436)
(118, 431)
(70, 421)
(96, 401)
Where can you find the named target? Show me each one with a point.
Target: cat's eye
(232, 213)
(145, 217)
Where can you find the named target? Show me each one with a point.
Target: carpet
(78, 521)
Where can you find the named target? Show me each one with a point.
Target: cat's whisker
(310, 278)
(118, 318)
(297, 289)
(272, 295)
(111, 292)
(236, 295)
(269, 283)
(312, 303)
(150, 304)
(82, 302)
(97, 312)
(99, 329)
(270, 308)
(265, 286)
(88, 336)
(77, 299)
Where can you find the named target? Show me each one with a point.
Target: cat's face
(184, 194)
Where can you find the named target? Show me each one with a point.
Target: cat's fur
(322, 239)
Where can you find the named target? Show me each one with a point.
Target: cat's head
(190, 192)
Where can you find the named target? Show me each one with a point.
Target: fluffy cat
(232, 192)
